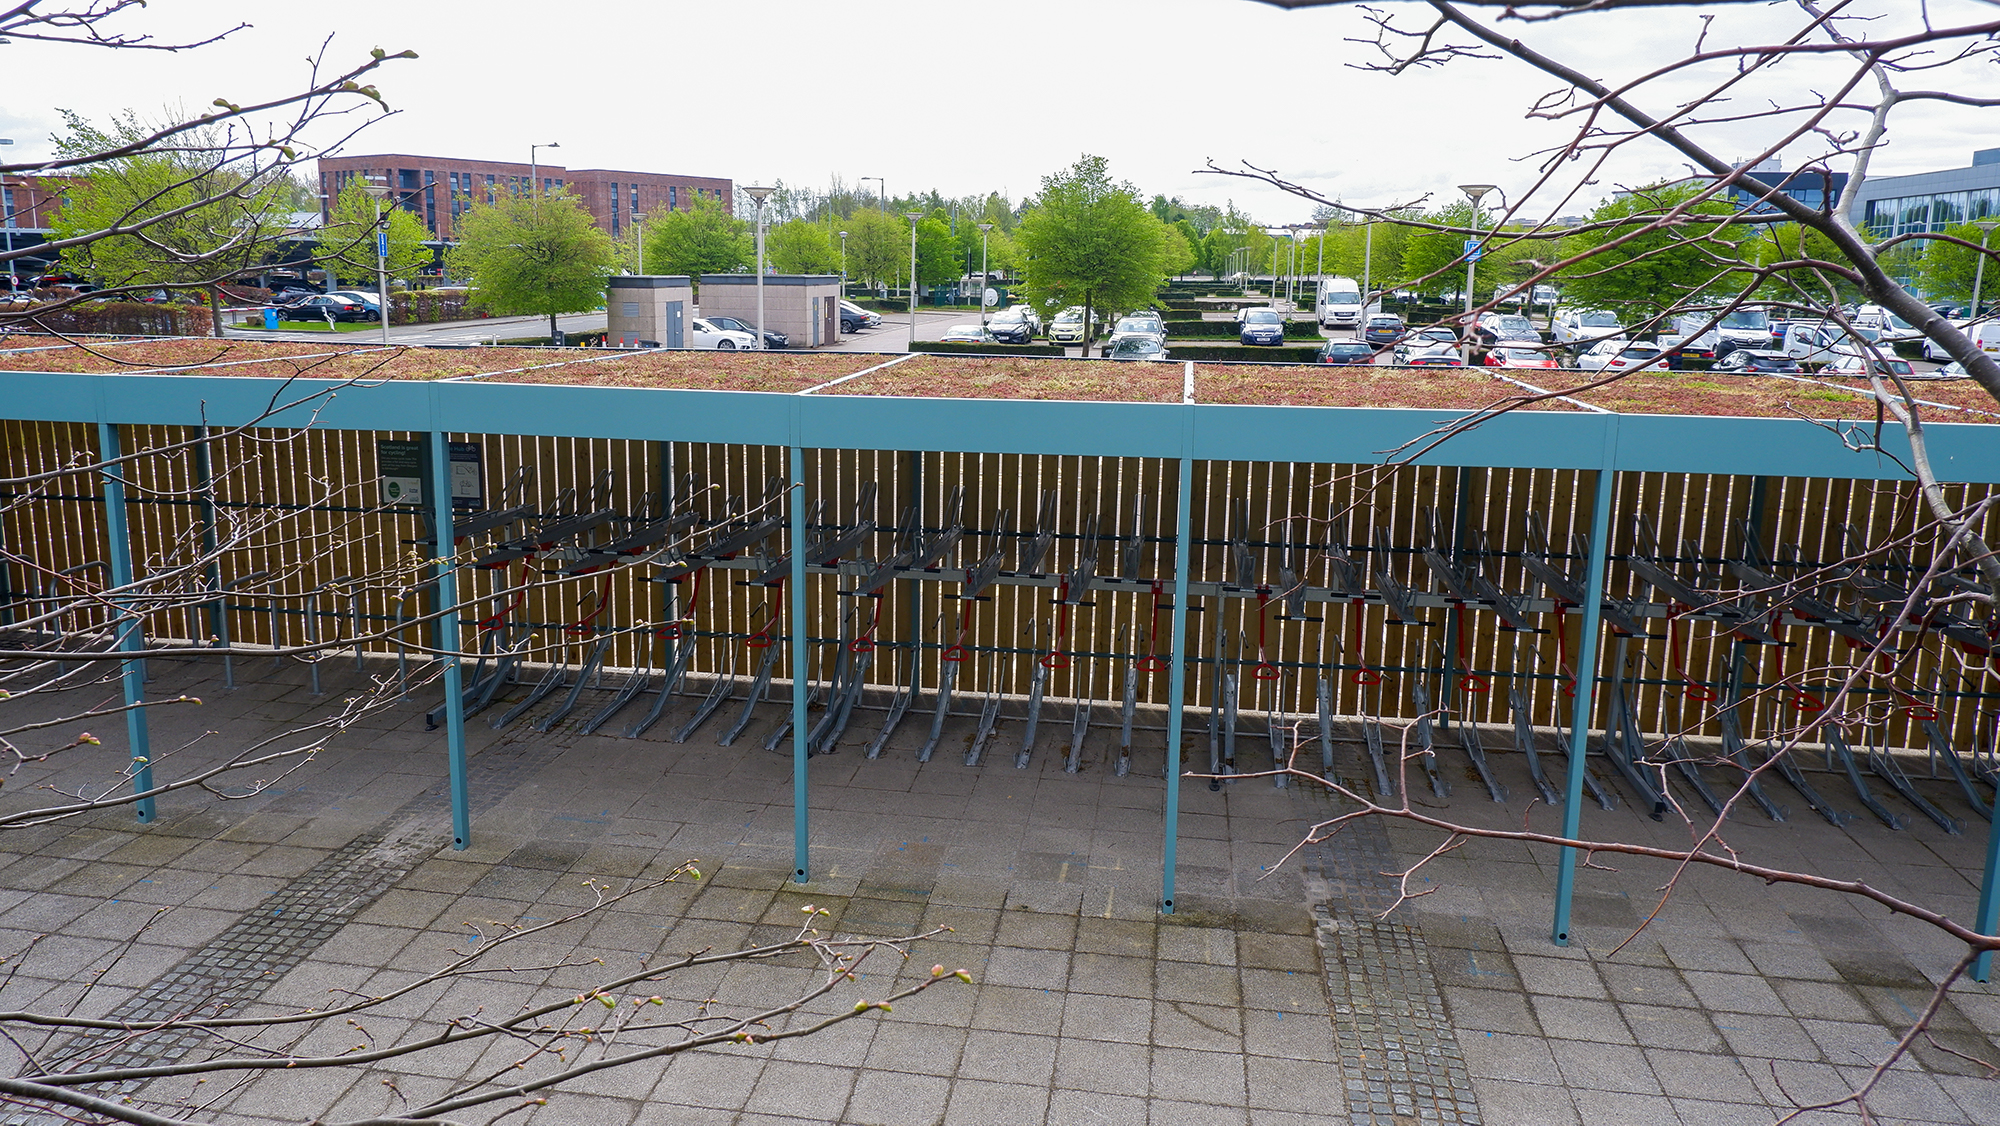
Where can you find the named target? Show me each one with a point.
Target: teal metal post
(131, 637)
(1586, 686)
(1176, 682)
(801, 851)
(1989, 896)
(444, 550)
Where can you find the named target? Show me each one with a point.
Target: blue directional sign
(1473, 250)
(381, 244)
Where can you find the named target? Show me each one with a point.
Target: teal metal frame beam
(131, 633)
(1177, 680)
(444, 552)
(801, 734)
(1586, 686)
(1989, 896)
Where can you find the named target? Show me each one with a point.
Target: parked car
(1891, 327)
(1758, 361)
(1512, 356)
(1985, 336)
(733, 324)
(1635, 356)
(1346, 352)
(1423, 340)
(361, 297)
(968, 334)
(1138, 348)
(1496, 327)
(1012, 325)
(703, 333)
(1858, 366)
(853, 318)
(1435, 356)
(1067, 328)
(1262, 326)
(1952, 370)
(320, 306)
(1601, 353)
(1575, 325)
(1384, 328)
(1141, 324)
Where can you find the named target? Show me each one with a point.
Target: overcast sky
(926, 94)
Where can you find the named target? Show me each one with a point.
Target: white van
(1339, 304)
(1985, 336)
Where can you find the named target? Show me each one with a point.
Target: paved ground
(1271, 997)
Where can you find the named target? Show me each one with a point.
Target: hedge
(885, 304)
(1296, 330)
(989, 349)
(112, 318)
(1244, 354)
(424, 307)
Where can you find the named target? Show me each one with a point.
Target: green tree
(347, 243)
(1091, 242)
(801, 247)
(1946, 270)
(1433, 261)
(1651, 271)
(877, 246)
(195, 213)
(541, 255)
(938, 259)
(700, 239)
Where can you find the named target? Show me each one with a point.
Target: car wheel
(726, 345)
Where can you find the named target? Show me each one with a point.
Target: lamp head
(1987, 225)
(914, 215)
(759, 194)
(985, 227)
(1474, 191)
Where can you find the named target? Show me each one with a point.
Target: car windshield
(1263, 317)
(1134, 324)
(1514, 324)
(1522, 353)
(1640, 352)
(1341, 297)
(1746, 318)
(1135, 346)
(1384, 322)
(1598, 320)
(1348, 350)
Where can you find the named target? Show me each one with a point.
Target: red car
(1511, 357)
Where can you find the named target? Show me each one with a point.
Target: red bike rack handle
(1700, 693)
(1473, 682)
(1056, 660)
(861, 645)
(953, 653)
(1365, 676)
(758, 640)
(1152, 662)
(1805, 702)
(1265, 670)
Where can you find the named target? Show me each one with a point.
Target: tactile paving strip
(1399, 1059)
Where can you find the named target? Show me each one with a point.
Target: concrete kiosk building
(648, 310)
(805, 307)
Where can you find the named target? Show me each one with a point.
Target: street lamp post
(1473, 192)
(13, 274)
(377, 193)
(534, 170)
(1979, 271)
(984, 278)
(881, 189)
(913, 216)
(760, 195)
(843, 265)
(1273, 232)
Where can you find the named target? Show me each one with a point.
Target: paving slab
(1281, 992)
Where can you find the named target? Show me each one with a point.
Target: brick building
(439, 189)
